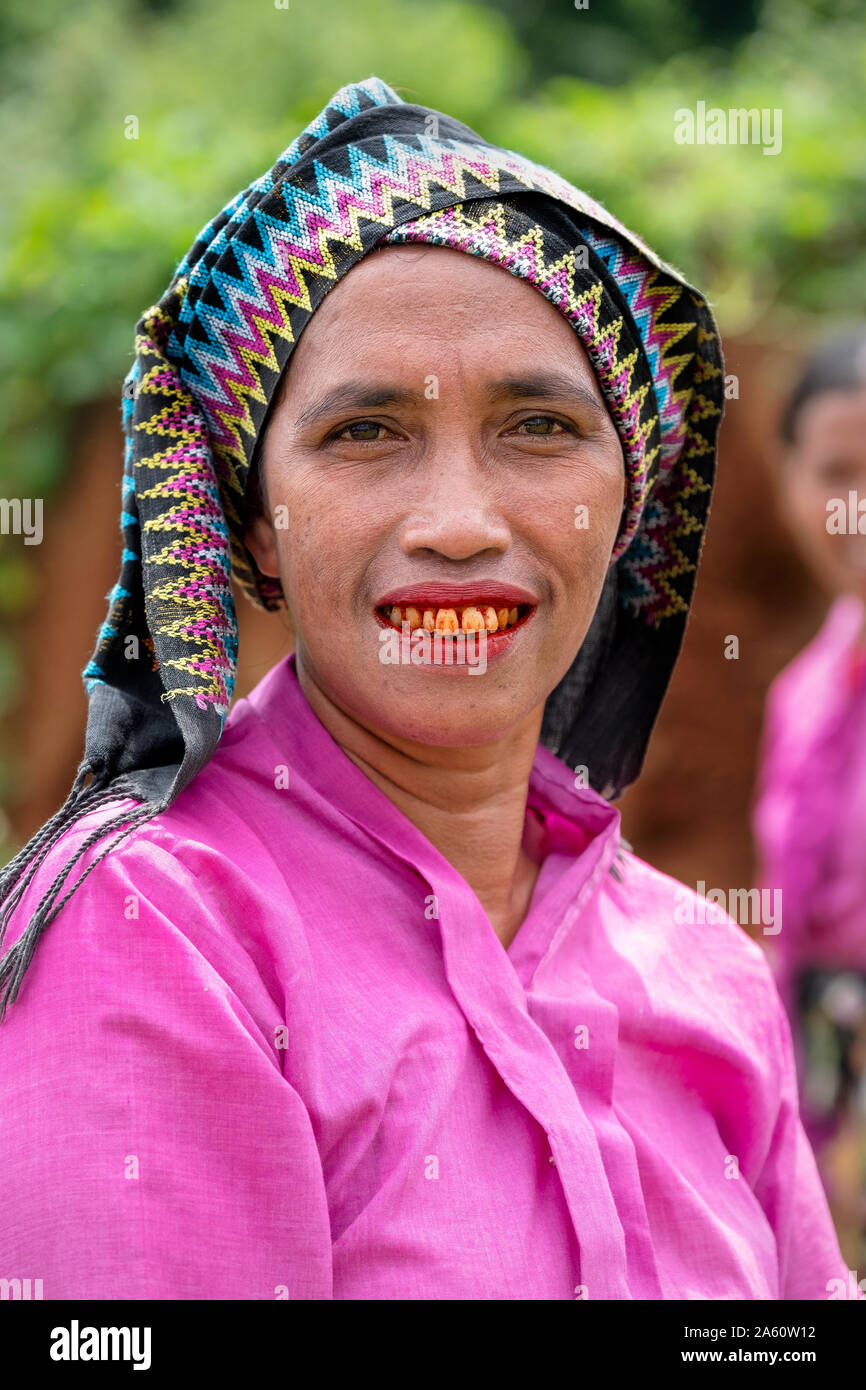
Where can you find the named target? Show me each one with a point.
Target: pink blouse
(274, 1049)
(810, 810)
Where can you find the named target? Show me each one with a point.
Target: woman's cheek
(806, 511)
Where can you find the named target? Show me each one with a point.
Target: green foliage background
(92, 223)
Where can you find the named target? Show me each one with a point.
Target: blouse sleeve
(150, 1145)
(792, 1194)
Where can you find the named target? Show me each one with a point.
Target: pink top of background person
(810, 810)
(810, 815)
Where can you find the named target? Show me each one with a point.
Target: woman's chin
(451, 716)
(451, 735)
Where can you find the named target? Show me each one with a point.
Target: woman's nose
(456, 510)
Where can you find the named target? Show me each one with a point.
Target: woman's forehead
(415, 303)
(832, 420)
(456, 283)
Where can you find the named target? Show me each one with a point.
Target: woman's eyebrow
(364, 395)
(544, 386)
(357, 395)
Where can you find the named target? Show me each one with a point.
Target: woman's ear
(260, 535)
(261, 541)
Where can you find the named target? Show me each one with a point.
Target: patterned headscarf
(372, 169)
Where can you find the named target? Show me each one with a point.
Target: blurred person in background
(810, 809)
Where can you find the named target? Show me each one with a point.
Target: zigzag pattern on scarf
(347, 102)
(667, 547)
(650, 296)
(185, 538)
(287, 237)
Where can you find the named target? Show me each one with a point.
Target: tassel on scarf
(20, 871)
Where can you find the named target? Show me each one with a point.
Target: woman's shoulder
(199, 877)
(695, 936)
(171, 910)
(816, 667)
(210, 834)
(677, 903)
(219, 827)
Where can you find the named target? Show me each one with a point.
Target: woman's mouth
(479, 616)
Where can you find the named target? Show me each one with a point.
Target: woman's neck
(470, 802)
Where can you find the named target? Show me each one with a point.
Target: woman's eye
(541, 425)
(838, 474)
(360, 432)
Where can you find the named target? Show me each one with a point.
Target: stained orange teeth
(446, 620)
(472, 618)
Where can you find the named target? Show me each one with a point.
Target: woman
(810, 813)
(361, 995)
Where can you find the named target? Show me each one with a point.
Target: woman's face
(440, 445)
(826, 463)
